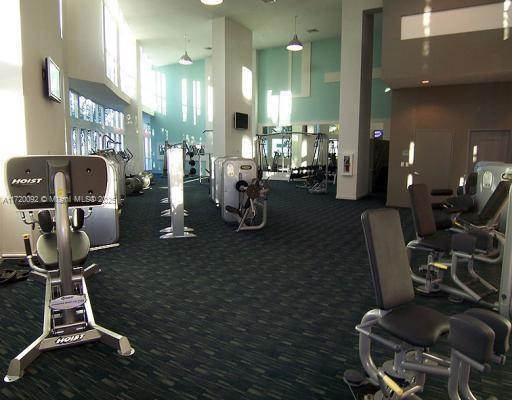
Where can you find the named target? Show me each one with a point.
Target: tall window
(148, 81)
(111, 41)
(184, 100)
(196, 100)
(73, 104)
(148, 159)
(209, 95)
(128, 59)
(161, 92)
(92, 123)
(75, 141)
(60, 20)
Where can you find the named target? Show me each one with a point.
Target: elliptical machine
(56, 183)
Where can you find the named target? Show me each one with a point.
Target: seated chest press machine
(43, 183)
(477, 338)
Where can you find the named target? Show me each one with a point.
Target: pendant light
(295, 44)
(212, 2)
(185, 58)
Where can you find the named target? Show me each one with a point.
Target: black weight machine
(47, 184)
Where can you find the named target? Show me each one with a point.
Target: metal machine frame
(412, 364)
(68, 316)
(436, 267)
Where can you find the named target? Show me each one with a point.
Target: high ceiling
(161, 25)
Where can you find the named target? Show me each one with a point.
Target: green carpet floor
(253, 315)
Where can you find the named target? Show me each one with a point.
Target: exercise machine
(474, 243)
(243, 197)
(58, 183)
(477, 338)
(284, 162)
(216, 180)
(102, 226)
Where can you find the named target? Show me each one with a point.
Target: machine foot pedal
(359, 385)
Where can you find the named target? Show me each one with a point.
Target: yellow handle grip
(392, 385)
(439, 265)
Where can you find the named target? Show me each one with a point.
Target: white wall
(40, 34)
(40, 122)
(232, 50)
(83, 31)
(33, 124)
(12, 106)
(134, 127)
(353, 138)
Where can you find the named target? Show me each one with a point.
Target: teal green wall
(324, 100)
(171, 126)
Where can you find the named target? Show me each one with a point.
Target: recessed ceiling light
(425, 82)
(212, 2)
(268, 1)
(387, 90)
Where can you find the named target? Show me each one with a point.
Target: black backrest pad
(30, 182)
(422, 213)
(389, 264)
(496, 202)
(499, 324)
(472, 337)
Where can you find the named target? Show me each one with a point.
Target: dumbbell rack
(174, 160)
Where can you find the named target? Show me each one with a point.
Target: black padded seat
(416, 325)
(439, 241)
(47, 248)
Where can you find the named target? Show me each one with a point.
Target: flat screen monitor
(378, 134)
(241, 121)
(53, 80)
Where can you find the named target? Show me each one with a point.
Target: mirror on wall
(282, 150)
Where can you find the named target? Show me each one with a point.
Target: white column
(232, 52)
(134, 125)
(354, 92)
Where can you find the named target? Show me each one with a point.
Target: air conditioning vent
(313, 30)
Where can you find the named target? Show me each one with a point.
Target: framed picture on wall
(53, 80)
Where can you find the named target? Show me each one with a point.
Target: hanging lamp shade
(185, 59)
(295, 44)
